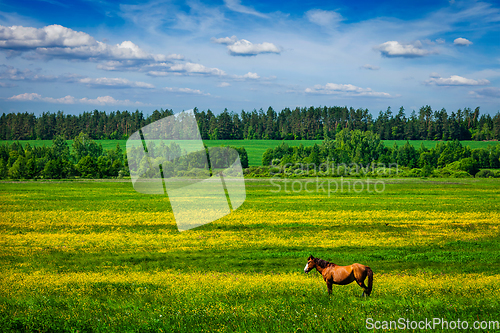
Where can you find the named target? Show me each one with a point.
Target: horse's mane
(323, 263)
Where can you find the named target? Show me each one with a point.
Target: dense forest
(288, 124)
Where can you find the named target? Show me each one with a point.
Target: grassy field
(97, 256)
(256, 148)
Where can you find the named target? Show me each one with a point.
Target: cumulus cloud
(236, 6)
(454, 80)
(462, 42)
(223, 85)
(244, 47)
(392, 49)
(27, 38)
(324, 18)
(186, 91)
(58, 41)
(101, 100)
(345, 90)
(370, 67)
(100, 51)
(492, 92)
(249, 75)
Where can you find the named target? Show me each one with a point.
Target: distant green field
(255, 148)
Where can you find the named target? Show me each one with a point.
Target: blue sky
(83, 55)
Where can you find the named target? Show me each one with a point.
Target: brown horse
(342, 275)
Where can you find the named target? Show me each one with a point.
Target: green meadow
(96, 256)
(256, 148)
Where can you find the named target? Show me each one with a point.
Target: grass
(256, 148)
(99, 257)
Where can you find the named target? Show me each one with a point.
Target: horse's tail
(370, 280)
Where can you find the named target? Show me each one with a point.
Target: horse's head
(310, 264)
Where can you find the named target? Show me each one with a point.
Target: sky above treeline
(77, 56)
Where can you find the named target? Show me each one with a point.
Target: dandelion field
(96, 256)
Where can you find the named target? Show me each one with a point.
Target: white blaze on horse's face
(306, 268)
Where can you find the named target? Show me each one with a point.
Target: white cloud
(16, 74)
(188, 68)
(193, 68)
(114, 65)
(101, 100)
(26, 97)
(236, 6)
(18, 37)
(454, 80)
(225, 40)
(58, 41)
(324, 18)
(186, 91)
(175, 56)
(244, 47)
(100, 51)
(370, 67)
(493, 92)
(392, 49)
(249, 75)
(114, 83)
(345, 90)
(107, 100)
(462, 42)
(223, 85)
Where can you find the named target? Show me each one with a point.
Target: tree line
(313, 123)
(87, 159)
(357, 152)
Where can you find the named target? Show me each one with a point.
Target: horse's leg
(360, 276)
(329, 286)
(361, 283)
